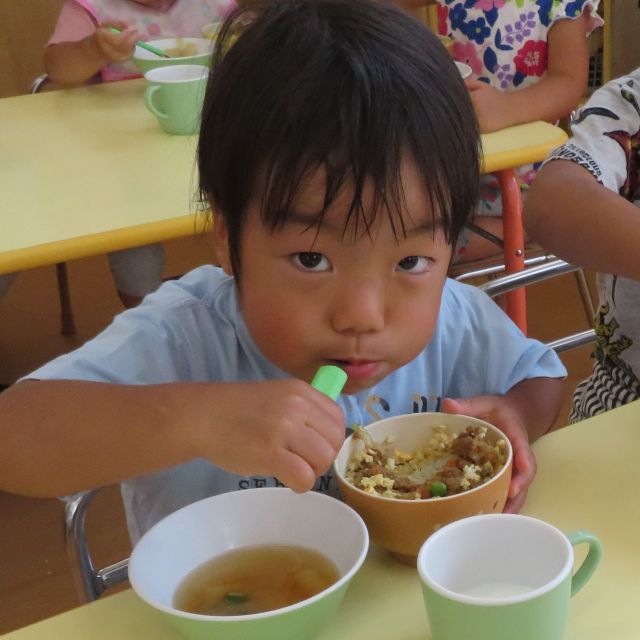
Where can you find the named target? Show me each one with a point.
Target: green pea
(235, 597)
(438, 489)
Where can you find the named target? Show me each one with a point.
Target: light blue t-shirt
(192, 330)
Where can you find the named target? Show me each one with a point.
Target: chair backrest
(539, 273)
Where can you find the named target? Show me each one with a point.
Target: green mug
(501, 577)
(175, 94)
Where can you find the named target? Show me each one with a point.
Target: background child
(530, 62)
(82, 44)
(324, 148)
(82, 49)
(583, 206)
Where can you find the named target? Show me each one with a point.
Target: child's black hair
(351, 86)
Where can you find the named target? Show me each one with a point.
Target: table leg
(66, 314)
(513, 233)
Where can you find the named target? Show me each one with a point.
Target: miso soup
(255, 579)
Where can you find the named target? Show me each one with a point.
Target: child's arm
(557, 93)
(570, 213)
(63, 436)
(77, 62)
(525, 413)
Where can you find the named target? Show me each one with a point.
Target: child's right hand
(114, 47)
(281, 428)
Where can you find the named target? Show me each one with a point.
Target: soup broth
(254, 580)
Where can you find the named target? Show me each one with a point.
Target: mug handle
(594, 555)
(148, 100)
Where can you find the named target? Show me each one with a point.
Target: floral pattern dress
(505, 41)
(505, 44)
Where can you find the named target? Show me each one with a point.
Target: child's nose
(359, 308)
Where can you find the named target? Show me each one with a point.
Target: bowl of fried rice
(409, 475)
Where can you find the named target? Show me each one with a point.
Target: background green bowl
(145, 60)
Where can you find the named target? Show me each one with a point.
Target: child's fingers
(484, 407)
(474, 84)
(294, 472)
(312, 447)
(123, 40)
(117, 47)
(524, 469)
(118, 24)
(477, 407)
(329, 422)
(514, 505)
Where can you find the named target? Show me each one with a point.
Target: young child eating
(326, 153)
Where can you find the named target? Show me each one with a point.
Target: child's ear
(221, 244)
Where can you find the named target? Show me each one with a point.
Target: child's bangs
(352, 89)
(359, 139)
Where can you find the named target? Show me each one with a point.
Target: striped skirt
(606, 388)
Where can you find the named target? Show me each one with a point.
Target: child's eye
(415, 264)
(311, 261)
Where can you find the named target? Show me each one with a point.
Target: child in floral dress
(530, 62)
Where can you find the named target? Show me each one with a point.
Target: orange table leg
(513, 232)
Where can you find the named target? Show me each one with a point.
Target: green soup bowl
(206, 529)
(145, 60)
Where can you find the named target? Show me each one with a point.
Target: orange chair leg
(513, 233)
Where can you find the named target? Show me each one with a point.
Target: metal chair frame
(489, 269)
(539, 273)
(90, 583)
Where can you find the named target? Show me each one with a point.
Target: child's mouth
(358, 369)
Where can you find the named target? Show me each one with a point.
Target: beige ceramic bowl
(401, 526)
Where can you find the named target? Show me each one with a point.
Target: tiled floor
(35, 581)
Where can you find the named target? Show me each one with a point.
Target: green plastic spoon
(145, 45)
(330, 380)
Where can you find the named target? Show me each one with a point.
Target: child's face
(367, 303)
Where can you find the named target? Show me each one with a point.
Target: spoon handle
(144, 45)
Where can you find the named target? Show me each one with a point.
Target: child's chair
(90, 583)
(549, 268)
(68, 327)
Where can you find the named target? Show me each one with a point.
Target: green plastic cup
(501, 577)
(175, 94)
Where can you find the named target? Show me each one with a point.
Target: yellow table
(588, 478)
(86, 171)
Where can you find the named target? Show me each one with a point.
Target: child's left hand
(489, 104)
(498, 411)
